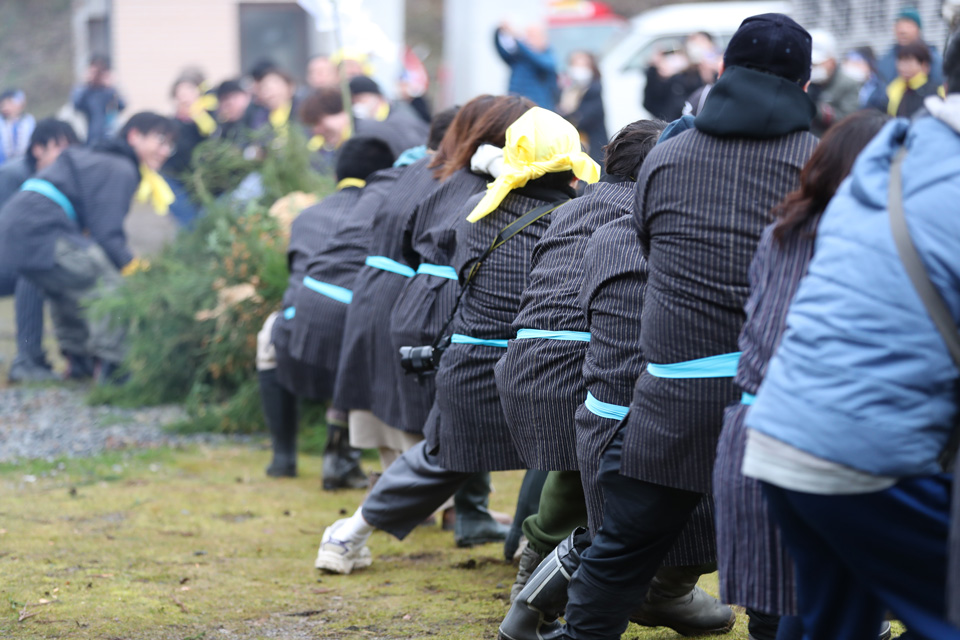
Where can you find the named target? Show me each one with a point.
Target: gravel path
(50, 422)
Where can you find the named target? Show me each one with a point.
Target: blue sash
(747, 398)
(386, 264)
(330, 290)
(459, 338)
(722, 366)
(289, 313)
(605, 409)
(46, 188)
(580, 336)
(438, 270)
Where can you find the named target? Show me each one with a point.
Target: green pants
(562, 509)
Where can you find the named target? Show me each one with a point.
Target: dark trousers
(641, 521)
(28, 303)
(562, 509)
(861, 554)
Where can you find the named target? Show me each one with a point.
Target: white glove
(488, 159)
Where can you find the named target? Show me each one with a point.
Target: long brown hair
(829, 165)
(483, 123)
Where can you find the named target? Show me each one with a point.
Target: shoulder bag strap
(920, 277)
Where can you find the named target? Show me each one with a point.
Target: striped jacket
(540, 380)
(369, 369)
(426, 301)
(702, 203)
(312, 336)
(611, 300)
(469, 426)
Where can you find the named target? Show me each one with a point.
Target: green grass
(198, 543)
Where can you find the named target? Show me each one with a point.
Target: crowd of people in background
(703, 338)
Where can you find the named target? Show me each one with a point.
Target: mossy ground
(198, 543)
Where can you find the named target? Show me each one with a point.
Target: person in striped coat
(426, 301)
(369, 368)
(298, 348)
(703, 199)
(755, 570)
(541, 156)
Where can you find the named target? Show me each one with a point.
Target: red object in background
(414, 73)
(564, 12)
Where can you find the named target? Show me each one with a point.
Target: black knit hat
(363, 84)
(774, 43)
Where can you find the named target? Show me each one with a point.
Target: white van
(624, 67)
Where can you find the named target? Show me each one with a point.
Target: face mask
(580, 76)
(698, 53)
(363, 111)
(818, 74)
(857, 72)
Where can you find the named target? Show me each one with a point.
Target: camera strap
(501, 238)
(929, 295)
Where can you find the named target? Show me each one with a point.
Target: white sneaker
(341, 556)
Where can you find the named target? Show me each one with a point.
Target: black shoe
(110, 373)
(27, 370)
(280, 413)
(79, 366)
(886, 631)
(674, 600)
(341, 462)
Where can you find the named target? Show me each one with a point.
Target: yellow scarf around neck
(280, 116)
(155, 190)
(351, 182)
(200, 113)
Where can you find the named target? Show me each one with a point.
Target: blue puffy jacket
(533, 74)
(862, 377)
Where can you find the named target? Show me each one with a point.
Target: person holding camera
(466, 431)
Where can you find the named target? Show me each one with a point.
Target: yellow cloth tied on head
(538, 143)
(154, 188)
(200, 113)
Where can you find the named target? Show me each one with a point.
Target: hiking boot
(27, 370)
(341, 556)
(529, 561)
(674, 600)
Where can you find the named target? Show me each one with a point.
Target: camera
(423, 360)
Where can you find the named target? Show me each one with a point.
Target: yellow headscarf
(155, 189)
(538, 143)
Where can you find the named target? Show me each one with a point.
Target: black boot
(79, 366)
(674, 600)
(474, 524)
(530, 559)
(341, 462)
(533, 615)
(280, 413)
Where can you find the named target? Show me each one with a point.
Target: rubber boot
(341, 462)
(533, 615)
(280, 412)
(674, 600)
(474, 524)
(528, 503)
(530, 559)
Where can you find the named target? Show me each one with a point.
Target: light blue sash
(722, 366)
(747, 398)
(605, 409)
(386, 264)
(330, 290)
(46, 188)
(459, 338)
(289, 313)
(438, 270)
(579, 336)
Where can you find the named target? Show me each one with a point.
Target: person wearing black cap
(232, 104)
(370, 104)
(908, 29)
(703, 199)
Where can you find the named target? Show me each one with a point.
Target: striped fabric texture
(702, 204)
(369, 369)
(611, 299)
(469, 426)
(540, 381)
(328, 242)
(755, 570)
(425, 301)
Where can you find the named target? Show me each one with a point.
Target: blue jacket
(862, 377)
(887, 66)
(533, 74)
